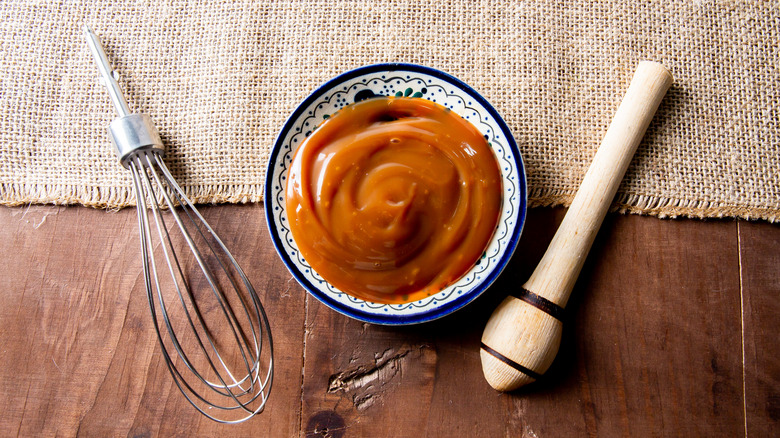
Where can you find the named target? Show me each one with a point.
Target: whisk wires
(245, 385)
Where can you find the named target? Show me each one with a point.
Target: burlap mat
(220, 77)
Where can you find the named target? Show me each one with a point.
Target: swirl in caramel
(392, 199)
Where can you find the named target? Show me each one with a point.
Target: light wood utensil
(523, 334)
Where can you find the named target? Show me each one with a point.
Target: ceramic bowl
(399, 80)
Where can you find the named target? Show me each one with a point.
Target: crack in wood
(366, 382)
(382, 371)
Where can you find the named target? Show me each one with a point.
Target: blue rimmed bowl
(399, 80)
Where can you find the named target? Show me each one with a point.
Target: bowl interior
(399, 80)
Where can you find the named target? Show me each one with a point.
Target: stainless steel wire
(244, 386)
(213, 332)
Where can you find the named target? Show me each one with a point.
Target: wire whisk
(212, 329)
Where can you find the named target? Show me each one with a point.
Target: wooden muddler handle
(522, 336)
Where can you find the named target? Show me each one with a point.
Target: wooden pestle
(523, 334)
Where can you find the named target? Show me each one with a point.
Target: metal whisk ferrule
(210, 324)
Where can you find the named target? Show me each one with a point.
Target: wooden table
(672, 330)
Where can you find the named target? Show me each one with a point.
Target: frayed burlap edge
(121, 197)
(664, 208)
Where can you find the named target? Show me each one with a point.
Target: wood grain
(760, 268)
(79, 354)
(652, 346)
(663, 315)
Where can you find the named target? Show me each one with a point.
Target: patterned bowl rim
(434, 312)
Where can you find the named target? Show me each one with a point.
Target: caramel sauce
(392, 199)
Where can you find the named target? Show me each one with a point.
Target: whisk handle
(129, 133)
(107, 74)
